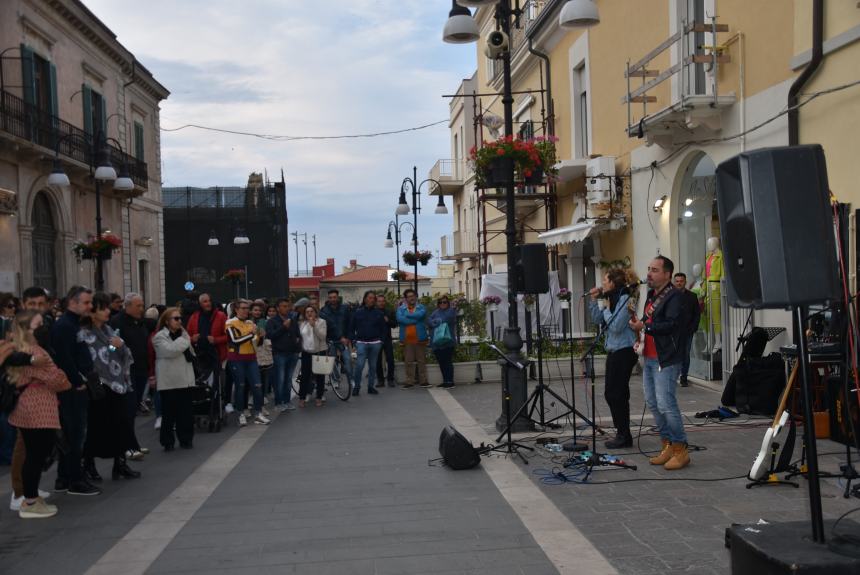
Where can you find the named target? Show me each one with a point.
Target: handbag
(95, 389)
(442, 336)
(322, 364)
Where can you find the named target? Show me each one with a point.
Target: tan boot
(665, 454)
(680, 457)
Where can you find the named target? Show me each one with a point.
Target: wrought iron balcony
(29, 122)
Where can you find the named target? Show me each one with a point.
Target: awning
(567, 234)
(571, 169)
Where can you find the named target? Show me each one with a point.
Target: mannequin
(696, 283)
(712, 292)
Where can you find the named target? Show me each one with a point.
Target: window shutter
(104, 119)
(87, 99)
(28, 74)
(138, 142)
(52, 92)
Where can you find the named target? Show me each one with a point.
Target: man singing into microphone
(664, 326)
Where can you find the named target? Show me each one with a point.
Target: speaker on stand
(779, 251)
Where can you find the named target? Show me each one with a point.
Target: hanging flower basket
(423, 257)
(399, 276)
(527, 161)
(492, 302)
(234, 275)
(97, 248)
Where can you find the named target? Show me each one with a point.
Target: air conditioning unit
(599, 179)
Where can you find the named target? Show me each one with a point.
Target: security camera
(497, 44)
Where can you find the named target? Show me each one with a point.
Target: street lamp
(390, 243)
(403, 209)
(514, 378)
(104, 172)
(578, 14)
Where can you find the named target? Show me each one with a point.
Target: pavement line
(135, 553)
(564, 545)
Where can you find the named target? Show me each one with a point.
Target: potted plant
(492, 302)
(563, 296)
(234, 275)
(460, 304)
(529, 301)
(410, 258)
(97, 248)
(527, 161)
(399, 276)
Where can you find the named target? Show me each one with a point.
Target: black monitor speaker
(776, 223)
(532, 269)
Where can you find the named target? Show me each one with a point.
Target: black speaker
(457, 451)
(532, 269)
(776, 223)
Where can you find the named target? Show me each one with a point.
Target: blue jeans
(659, 385)
(337, 348)
(687, 347)
(445, 357)
(282, 374)
(366, 353)
(247, 373)
(74, 405)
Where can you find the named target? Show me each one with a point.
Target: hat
(151, 313)
(303, 302)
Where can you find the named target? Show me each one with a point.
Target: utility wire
(275, 137)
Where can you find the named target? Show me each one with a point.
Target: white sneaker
(261, 419)
(247, 413)
(243, 421)
(158, 423)
(282, 408)
(15, 502)
(289, 407)
(134, 455)
(265, 412)
(44, 494)
(228, 408)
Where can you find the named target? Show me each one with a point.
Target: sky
(304, 68)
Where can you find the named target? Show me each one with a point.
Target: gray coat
(172, 370)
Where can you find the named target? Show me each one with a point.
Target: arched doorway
(44, 245)
(698, 220)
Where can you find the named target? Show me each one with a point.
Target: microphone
(588, 293)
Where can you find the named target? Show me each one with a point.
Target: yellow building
(645, 104)
(67, 83)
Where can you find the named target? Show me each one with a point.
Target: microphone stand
(510, 446)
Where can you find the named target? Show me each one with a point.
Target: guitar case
(755, 385)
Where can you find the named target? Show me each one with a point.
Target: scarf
(204, 328)
(174, 335)
(113, 366)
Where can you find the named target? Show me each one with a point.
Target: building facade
(210, 231)
(353, 284)
(69, 86)
(645, 105)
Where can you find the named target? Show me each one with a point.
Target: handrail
(31, 123)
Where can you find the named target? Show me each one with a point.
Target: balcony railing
(697, 70)
(459, 245)
(531, 10)
(29, 122)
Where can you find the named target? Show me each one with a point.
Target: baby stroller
(206, 395)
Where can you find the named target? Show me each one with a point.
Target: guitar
(772, 440)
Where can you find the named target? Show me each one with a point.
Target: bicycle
(336, 380)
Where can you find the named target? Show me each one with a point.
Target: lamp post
(390, 243)
(403, 210)
(459, 29)
(102, 173)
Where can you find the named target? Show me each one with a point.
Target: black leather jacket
(667, 327)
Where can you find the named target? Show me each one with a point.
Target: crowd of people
(75, 373)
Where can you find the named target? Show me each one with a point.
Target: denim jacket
(618, 334)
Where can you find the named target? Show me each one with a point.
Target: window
(581, 112)
(95, 112)
(40, 81)
(138, 142)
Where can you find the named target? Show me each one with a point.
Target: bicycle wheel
(339, 382)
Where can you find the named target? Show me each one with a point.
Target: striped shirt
(240, 336)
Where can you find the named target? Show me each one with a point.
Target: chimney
(329, 262)
(353, 263)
